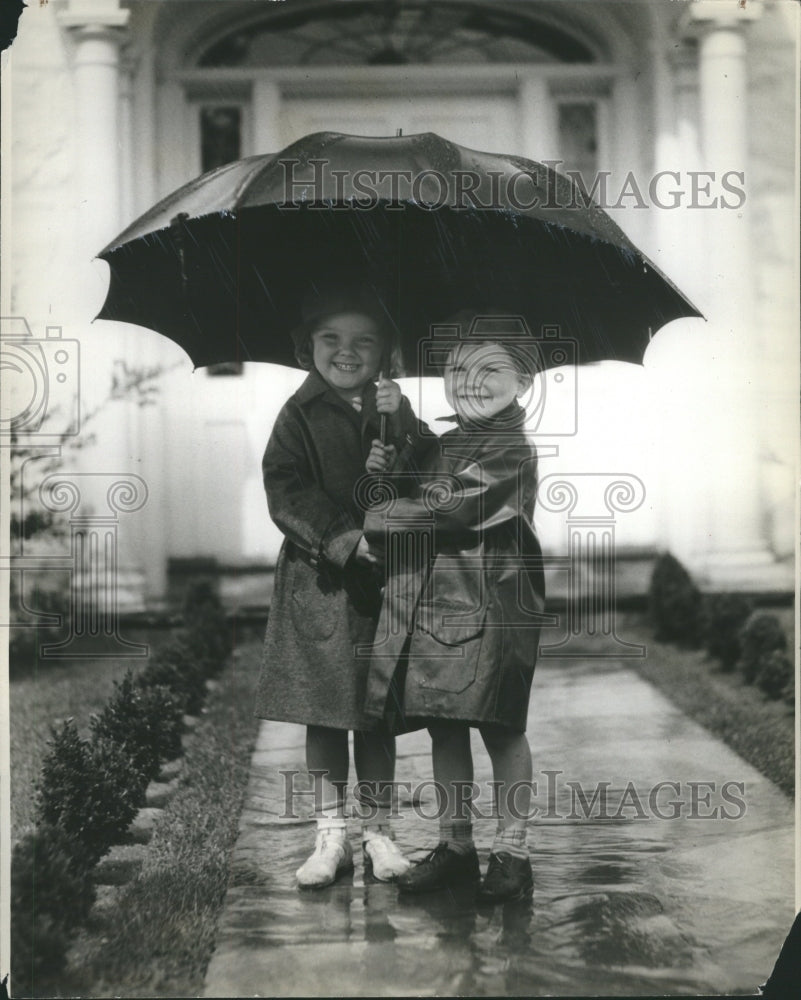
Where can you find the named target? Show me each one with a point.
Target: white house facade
(680, 116)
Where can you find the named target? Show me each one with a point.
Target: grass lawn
(158, 939)
(758, 728)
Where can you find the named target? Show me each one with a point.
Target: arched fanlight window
(391, 33)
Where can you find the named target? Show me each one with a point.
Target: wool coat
(465, 590)
(325, 605)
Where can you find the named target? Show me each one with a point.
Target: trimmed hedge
(50, 893)
(91, 790)
(776, 675)
(674, 603)
(204, 617)
(761, 635)
(144, 721)
(723, 618)
(181, 666)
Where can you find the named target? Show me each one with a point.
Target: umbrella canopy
(222, 265)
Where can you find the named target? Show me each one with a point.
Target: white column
(96, 26)
(684, 61)
(723, 100)
(626, 153)
(735, 550)
(266, 111)
(103, 193)
(538, 137)
(128, 67)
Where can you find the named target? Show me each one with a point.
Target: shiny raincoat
(465, 589)
(324, 605)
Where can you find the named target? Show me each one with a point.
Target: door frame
(535, 89)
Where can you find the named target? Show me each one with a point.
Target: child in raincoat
(327, 593)
(457, 639)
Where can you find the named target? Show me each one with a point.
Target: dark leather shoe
(440, 869)
(507, 878)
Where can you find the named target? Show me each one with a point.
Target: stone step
(143, 824)
(159, 793)
(107, 899)
(171, 769)
(122, 863)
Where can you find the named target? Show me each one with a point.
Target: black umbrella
(221, 266)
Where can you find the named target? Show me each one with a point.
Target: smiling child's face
(346, 349)
(481, 380)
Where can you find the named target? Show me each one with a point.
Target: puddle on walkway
(608, 933)
(623, 907)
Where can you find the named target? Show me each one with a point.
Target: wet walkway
(661, 860)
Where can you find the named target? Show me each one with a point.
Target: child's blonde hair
(490, 326)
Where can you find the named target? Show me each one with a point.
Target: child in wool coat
(327, 595)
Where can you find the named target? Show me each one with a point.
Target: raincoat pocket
(444, 655)
(313, 611)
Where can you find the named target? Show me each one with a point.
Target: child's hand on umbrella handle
(387, 396)
(367, 556)
(381, 458)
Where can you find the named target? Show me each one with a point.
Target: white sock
(511, 840)
(377, 830)
(333, 826)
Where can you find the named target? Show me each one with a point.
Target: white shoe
(382, 856)
(332, 856)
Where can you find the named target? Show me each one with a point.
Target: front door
(488, 122)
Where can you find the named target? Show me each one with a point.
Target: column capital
(93, 16)
(82, 494)
(701, 16)
(590, 496)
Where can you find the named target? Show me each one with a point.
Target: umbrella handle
(383, 421)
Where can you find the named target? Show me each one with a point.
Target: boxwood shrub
(776, 675)
(761, 635)
(91, 790)
(723, 618)
(674, 603)
(205, 618)
(181, 665)
(51, 892)
(144, 721)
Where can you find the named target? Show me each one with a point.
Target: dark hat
(334, 297)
